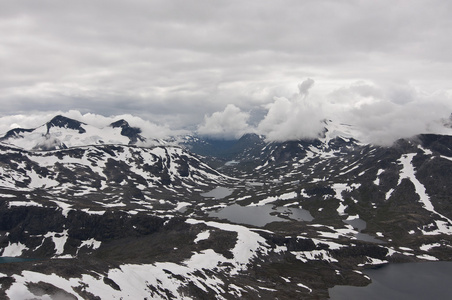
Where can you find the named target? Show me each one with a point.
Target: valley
(103, 215)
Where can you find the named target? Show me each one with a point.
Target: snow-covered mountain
(104, 218)
(62, 132)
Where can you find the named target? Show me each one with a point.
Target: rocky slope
(259, 221)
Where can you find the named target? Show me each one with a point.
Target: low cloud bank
(380, 114)
(291, 118)
(386, 112)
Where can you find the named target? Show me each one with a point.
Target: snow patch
(202, 236)
(14, 249)
(24, 203)
(409, 173)
(428, 247)
(59, 240)
(66, 208)
(306, 256)
(91, 243)
(305, 287)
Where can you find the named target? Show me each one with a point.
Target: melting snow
(14, 250)
(445, 157)
(202, 236)
(305, 287)
(24, 203)
(91, 243)
(373, 261)
(427, 257)
(247, 245)
(181, 205)
(428, 247)
(286, 196)
(409, 172)
(377, 181)
(64, 206)
(59, 239)
(306, 256)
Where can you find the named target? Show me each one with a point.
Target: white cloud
(384, 113)
(291, 119)
(303, 88)
(231, 123)
(164, 61)
(380, 113)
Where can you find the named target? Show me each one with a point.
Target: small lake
(218, 193)
(429, 280)
(260, 215)
(357, 223)
(360, 225)
(4, 260)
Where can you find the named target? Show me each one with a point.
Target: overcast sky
(228, 67)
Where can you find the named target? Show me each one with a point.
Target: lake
(4, 260)
(260, 215)
(218, 193)
(429, 280)
(360, 225)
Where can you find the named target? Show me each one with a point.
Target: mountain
(224, 149)
(133, 133)
(62, 132)
(210, 219)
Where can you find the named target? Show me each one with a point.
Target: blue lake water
(4, 260)
(420, 281)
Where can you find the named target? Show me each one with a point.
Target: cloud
(231, 123)
(291, 119)
(175, 62)
(303, 88)
(383, 113)
(380, 113)
(164, 61)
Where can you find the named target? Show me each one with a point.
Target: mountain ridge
(98, 215)
(62, 132)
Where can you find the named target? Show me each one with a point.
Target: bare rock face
(64, 122)
(133, 133)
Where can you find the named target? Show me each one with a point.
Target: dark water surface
(218, 193)
(360, 225)
(4, 260)
(260, 215)
(429, 280)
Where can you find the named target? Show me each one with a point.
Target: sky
(224, 68)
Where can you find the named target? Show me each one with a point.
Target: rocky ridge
(116, 220)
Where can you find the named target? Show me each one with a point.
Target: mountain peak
(133, 133)
(65, 122)
(120, 123)
(16, 132)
